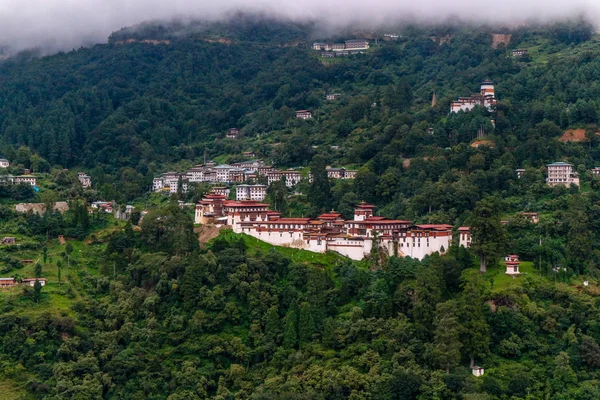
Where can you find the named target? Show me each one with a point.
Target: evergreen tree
(446, 345)
(320, 188)
(38, 270)
(306, 323)
(488, 236)
(290, 333)
(37, 291)
(475, 333)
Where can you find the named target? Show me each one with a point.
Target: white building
(357, 44)
(222, 172)
(464, 233)
(520, 173)
(4, 163)
(84, 179)
(292, 178)
(221, 190)
(562, 173)
(333, 96)
(26, 179)
(303, 114)
(328, 232)
(485, 98)
(169, 183)
(251, 192)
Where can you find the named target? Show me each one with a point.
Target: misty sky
(66, 24)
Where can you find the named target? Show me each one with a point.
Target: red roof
(464, 228)
(365, 205)
(443, 227)
(327, 216)
(247, 203)
(379, 220)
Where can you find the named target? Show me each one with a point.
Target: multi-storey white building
(223, 171)
(292, 178)
(169, 183)
(303, 114)
(4, 163)
(357, 44)
(562, 173)
(251, 192)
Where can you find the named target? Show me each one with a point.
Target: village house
(596, 171)
(520, 173)
(251, 192)
(512, 264)
(84, 179)
(340, 173)
(292, 178)
(519, 52)
(562, 173)
(327, 54)
(4, 163)
(233, 133)
(532, 217)
(342, 53)
(303, 114)
(31, 281)
(485, 98)
(10, 282)
(7, 282)
(102, 206)
(390, 36)
(333, 96)
(8, 240)
(477, 371)
(464, 233)
(25, 179)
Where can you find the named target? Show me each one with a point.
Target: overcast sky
(71, 23)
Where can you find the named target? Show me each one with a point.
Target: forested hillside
(142, 310)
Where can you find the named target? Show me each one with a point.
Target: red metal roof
(464, 228)
(435, 226)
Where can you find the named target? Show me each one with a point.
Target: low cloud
(67, 24)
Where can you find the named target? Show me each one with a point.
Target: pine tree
(475, 333)
(37, 291)
(306, 323)
(488, 233)
(38, 270)
(290, 335)
(319, 192)
(446, 345)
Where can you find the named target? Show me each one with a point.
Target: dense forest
(144, 311)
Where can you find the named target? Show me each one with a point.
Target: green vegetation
(142, 311)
